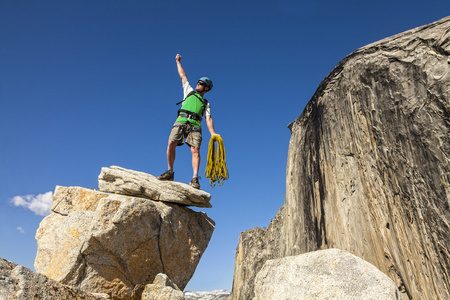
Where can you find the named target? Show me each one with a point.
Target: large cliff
(368, 168)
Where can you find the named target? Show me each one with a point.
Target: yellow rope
(216, 165)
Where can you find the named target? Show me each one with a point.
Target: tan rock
(255, 247)
(116, 244)
(20, 283)
(162, 289)
(138, 184)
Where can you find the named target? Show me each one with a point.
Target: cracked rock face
(368, 167)
(115, 244)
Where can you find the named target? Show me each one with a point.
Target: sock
(195, 175)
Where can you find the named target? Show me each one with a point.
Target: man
(188, 124)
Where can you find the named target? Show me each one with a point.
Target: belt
(190, 128)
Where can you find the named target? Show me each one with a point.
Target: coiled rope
(216, 165)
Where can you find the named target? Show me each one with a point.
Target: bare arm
(210, 124)
(181, 70)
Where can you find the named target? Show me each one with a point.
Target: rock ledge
(138, 184)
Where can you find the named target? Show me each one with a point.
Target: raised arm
(181, 70)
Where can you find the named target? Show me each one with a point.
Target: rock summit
(115, 241)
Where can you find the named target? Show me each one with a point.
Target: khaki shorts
(181, 131)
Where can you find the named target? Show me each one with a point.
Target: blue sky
(89, 84)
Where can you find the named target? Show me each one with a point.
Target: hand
(178, 57)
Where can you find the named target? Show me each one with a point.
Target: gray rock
(162, 288)
(324, 274)
(138, 184)
(368, 167)
(20, 283)
(212, 295)
(115, 244)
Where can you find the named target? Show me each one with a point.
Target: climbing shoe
(167, 176)
(194, 183)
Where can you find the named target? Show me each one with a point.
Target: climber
(188, 124)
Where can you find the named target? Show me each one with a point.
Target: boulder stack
(104, 242)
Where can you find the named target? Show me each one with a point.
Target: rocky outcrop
(368, 167)
(255, 247)
(20, 283)
(116, 244)
(162, 288)
(138, 184)
(324, 274)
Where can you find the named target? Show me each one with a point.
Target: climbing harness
(189, 115)
(216, 165)
(193, 115)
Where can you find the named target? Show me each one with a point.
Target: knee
(195, 150)
(171, 145)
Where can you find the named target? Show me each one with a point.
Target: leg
(175, 138)
(171, 146)
(195, 159)
(168, 175)
(194, 140)
(195, 166)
